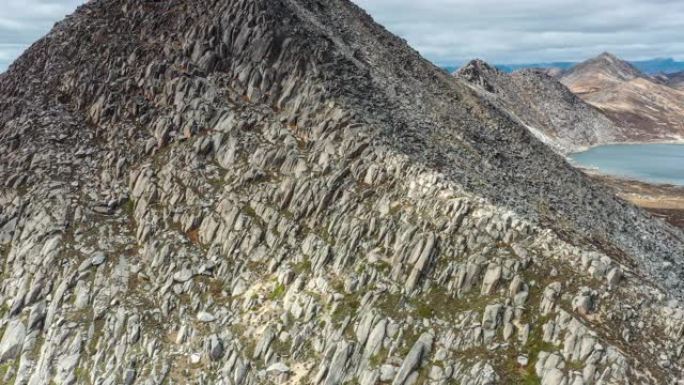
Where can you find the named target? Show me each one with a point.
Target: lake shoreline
(664, 201)
(653, 163)
(582, 149)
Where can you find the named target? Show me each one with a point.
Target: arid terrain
(663, 201)
(651, 109)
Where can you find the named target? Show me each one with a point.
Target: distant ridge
(606, 66)
(544, 105)
(648, 108)
(649, 67)
(676, 80)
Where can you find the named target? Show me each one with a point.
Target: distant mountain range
(602, 100)
(650, 107)
(651, 66)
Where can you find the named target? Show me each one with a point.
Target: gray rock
(583, 303)
(414, 359)
(613, 277)
(12, 340)
(278, 368)
(204, 316)
(98, 258)
(553, 377)
(183, 275)
(337, 368)
(387, 372)
(491, 279)
(215, 347)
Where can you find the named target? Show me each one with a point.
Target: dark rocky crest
(545, 106)
(479, 72)
(253, 192)
(676, 80)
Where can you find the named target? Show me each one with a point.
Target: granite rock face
(282, 192)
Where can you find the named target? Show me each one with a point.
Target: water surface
(655, 163)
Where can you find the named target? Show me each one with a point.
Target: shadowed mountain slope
(676, 80)
(255, 192)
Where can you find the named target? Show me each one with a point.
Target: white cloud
(24, 21)
(454, 31)
(524, 31)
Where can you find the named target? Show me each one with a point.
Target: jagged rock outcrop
(648, 109)
(253, 192)
(545, 106)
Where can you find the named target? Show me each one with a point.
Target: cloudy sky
(453, 31)
(525, 31)
(24, 21)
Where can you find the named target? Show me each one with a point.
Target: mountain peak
(608, 65)
(608, 56)
(540, 102)
(647, 107)
(478, 72)
(257, 192)
(480, 63)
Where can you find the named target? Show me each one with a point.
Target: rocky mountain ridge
(546, 107)
(253, 192)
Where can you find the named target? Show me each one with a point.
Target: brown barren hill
(649, 109)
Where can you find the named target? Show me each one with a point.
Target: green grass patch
(439, 303)
(4, 368)
(409, 338)
(379, 358)
(277, 293)
(424, 310)
(348, 306)
(303, 267)
(129, 207)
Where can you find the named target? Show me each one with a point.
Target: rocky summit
(245, 192)
(545, 106)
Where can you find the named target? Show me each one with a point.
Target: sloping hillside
(650, 110)
(676, 80)
(545, 106)
(282, 192)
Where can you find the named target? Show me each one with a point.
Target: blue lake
(656, 163)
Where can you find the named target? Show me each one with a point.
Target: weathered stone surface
(213, 191)
(12, 340)
(413, 360)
